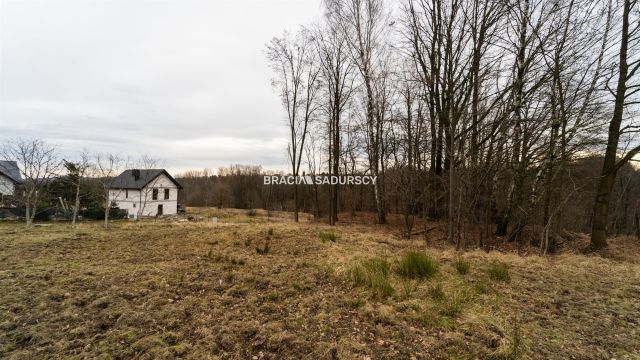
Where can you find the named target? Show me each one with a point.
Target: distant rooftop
(10, 169)
(138, 179)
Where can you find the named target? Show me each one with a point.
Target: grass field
(252, 288)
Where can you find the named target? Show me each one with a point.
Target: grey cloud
(183, 80)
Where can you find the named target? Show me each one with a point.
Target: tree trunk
(296, 202)
(28, 215)
(77, 205)
(106, 213)
(609, 166)
(637, 216)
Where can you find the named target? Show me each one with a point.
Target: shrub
(374, 275)
(327, 236)
(270, 232)
(462, 266)
(98, 214)
(415, 265)
(499, 272)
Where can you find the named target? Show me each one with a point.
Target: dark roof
(10, 169)
(127, 180)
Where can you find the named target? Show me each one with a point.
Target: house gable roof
(126, 180)
(10, 169)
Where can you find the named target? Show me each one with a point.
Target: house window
(155, 194)
(134, 205)
(166, 194)
(126, 194)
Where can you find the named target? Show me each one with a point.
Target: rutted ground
(280, 290)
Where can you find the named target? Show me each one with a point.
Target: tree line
(476, 111)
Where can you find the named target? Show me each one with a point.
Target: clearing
(253, 288)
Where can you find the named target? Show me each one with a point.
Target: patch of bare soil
(274, 290)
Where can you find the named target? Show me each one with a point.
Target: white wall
(141, 203)
(6, 186)
(126, 200)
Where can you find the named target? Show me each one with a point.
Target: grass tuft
(481, 287)
(265, 249)
(499, 271)
(437, 292)
(462, 266)
(453, 305)
(327, 236)
(374, 275)
(416, 265)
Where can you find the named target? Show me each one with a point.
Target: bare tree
(477, 110)
(106, 167)
(147, 162)
(338, 80)
(627, 86)
(296, 79)
(363, 23)
(38, 163)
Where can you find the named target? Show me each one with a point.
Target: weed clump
(437, 293)
(481, 287)
(374, 275)
(327, 236)
(265, 249)
(462, 266)
(237, 261)
(499, 272)
(453, 305)
(415, 265)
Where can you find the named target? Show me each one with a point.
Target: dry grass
(201, 290)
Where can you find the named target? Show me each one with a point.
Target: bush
(374, 275)
(98, 214)
(499, 272)
(415, 265)
(327, 236)
(462, 266)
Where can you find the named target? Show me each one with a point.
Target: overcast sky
(181, 80)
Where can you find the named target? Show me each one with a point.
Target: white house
(9, 178)
(141, 193)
